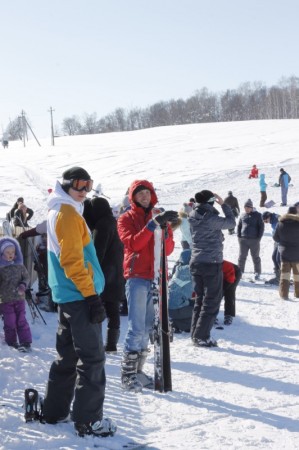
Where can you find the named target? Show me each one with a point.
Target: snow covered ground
(243, 394)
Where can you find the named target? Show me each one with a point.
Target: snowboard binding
(32, 406)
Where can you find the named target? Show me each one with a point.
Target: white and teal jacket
(74, 269)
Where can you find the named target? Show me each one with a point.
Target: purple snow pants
(15, 323)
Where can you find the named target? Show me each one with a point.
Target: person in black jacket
(109, 248)
(22, 215)
(250, 230)
(232, 201)
(206, 263)
(287, 235)
(11, 213)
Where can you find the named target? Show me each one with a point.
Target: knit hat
(205, 196)
(292, 210)
(248, 203)
(139, 188)
(5, 245)
(76, 173)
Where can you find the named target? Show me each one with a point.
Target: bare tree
(71, 126)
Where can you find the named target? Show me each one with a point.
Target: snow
(241, 395)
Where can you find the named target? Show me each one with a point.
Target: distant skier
(5, 143)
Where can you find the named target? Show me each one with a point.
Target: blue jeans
(140, 314)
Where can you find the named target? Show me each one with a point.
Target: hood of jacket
(185, 257)
(18, 256)
(287, 217)
(59, 197)
(148, 186)
(204, 208)
(95, 209)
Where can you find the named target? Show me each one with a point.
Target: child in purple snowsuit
(14, 280)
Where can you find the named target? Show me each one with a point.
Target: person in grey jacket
(206, 263)
(250, 230)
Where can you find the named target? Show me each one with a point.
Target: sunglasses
(80, 185)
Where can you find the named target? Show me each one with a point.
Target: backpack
(180, 287)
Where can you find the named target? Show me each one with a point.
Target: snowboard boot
(129, 380)
(100, 428)
(145, 380)
(112, 340)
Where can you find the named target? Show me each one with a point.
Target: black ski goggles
(79, 185)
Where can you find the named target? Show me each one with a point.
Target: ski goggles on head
(79, 185)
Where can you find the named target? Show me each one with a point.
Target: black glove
(167, 216)
(96, 309)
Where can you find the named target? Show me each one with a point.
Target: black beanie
(139, 188)
(76, 173)
(205, 197)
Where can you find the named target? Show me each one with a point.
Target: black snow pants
(78, 372)
(207, 280)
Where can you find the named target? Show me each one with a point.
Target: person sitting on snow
(254, 173)
(180, 292)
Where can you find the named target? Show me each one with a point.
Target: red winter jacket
(138, 240)
(228, 270)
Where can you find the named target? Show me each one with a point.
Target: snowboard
(269, 204)
(162, 373)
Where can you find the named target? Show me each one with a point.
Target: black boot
(112, 340)
(276, 279)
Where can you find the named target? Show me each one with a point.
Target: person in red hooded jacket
(136, 230)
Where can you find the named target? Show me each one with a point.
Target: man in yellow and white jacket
(76, 280)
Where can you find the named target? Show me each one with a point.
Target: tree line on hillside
(251, 101)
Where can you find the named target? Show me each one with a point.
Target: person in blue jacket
(263, 187)
(272, 219)
(283, 181)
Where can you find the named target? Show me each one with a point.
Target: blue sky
(85, 56)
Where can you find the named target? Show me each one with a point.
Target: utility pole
(23, 125)
(52, 128)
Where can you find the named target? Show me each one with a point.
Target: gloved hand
(21, 289)
(166, 216)
(96, 309)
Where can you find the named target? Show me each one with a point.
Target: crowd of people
(95, 260)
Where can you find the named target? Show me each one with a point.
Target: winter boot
(276, 279)
(228, 320)
(112, 340)
(144, 379)
(129, 379)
